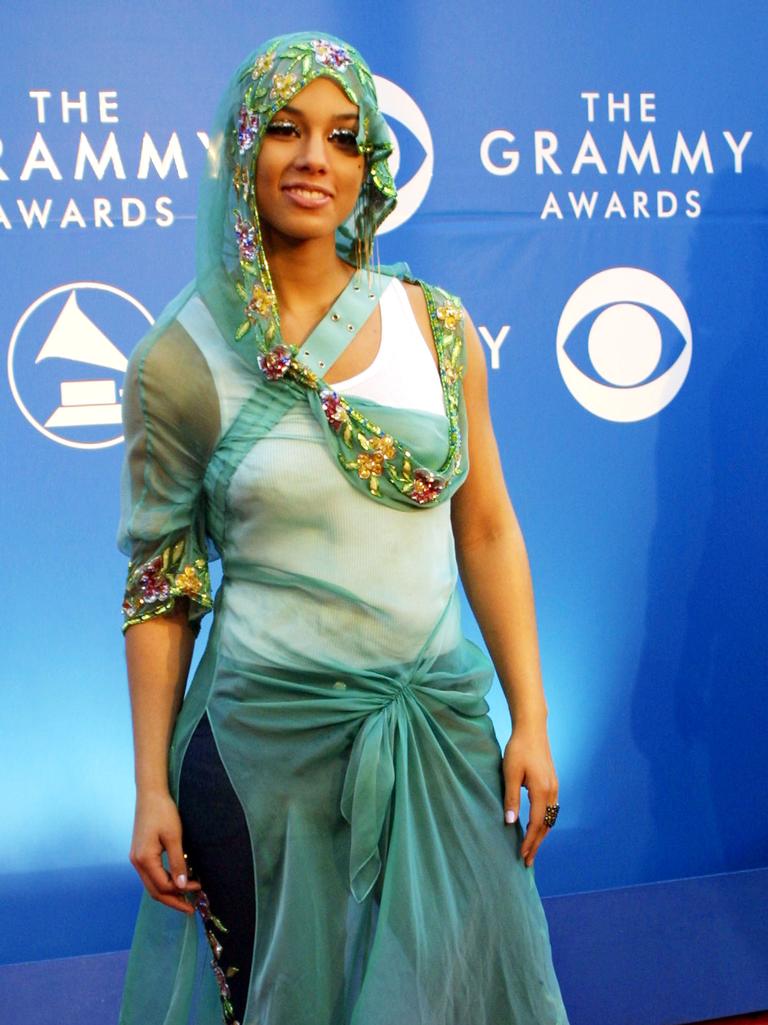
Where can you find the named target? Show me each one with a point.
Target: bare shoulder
(418, 303)
(417, 300)
(476, 369)
(475, 352)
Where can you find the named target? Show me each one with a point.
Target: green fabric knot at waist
(377, 720)
(369, 781)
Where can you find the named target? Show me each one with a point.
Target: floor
(79, 991)
(756, 1018)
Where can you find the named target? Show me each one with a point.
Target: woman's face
(309, 171)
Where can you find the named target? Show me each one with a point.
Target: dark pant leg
(218, 846)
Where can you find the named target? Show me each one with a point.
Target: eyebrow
(334, 117)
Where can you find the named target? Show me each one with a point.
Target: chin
(301, 229)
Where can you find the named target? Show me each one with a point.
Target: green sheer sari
(347, 707)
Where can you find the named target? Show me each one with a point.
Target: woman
(332, 769)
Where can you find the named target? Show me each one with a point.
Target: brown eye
(345, 138)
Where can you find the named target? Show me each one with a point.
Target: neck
(307, 274)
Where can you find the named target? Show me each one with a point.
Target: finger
(537, 840)
(172, 899)
(148, 863)
(176, 902)
(530, 842)
(537, 829)
(178, 865)
(512, 800)
(534, 832)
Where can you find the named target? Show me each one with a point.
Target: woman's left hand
(528, 762)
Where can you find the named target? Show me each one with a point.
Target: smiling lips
(308, 196)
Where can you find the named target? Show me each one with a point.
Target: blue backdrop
(592, 181)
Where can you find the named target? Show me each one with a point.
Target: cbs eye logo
(625, 344)
(397, 104)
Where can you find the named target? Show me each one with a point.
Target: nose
(313, 154)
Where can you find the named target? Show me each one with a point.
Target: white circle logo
(65, 367)
(625, 344)
(396, 103)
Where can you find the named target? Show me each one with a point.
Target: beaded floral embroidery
(330, 54)
(245, 233)
(275, 77)
(212, 925)
(365, 450)
(368, 451)
(154, 586)
(248, 125)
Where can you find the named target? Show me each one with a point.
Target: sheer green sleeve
(172, 422)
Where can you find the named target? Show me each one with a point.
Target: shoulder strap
(339, 326)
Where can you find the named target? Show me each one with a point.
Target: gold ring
(550, 815)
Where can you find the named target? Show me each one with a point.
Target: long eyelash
(281, 126)
(344, 135)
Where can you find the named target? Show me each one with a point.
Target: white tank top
(403, 372)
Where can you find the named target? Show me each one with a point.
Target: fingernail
(181, 881)
(509, 815)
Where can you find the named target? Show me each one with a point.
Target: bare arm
(158, 655)
(494, 570)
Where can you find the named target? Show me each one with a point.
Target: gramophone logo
(67, 358)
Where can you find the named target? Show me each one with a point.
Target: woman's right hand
(157, 828)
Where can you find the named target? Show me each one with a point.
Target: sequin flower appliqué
(365, 449)
(154, 586)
